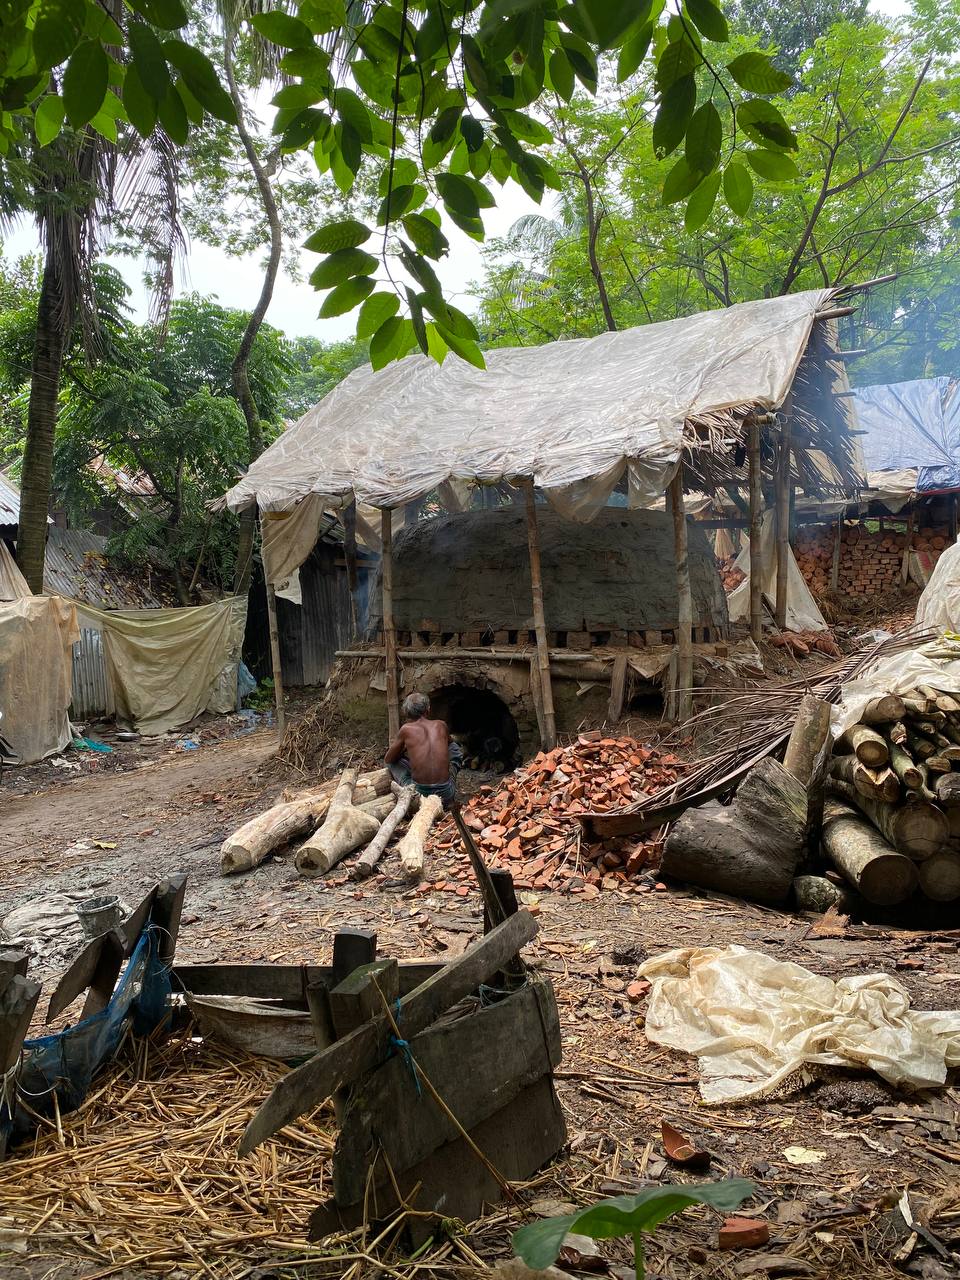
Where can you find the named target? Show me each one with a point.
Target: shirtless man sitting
(423, 754)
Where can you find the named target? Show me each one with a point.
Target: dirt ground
(832, 1217)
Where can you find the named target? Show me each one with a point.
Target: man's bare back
(426, 744)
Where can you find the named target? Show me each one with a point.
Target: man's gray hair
(416, 705)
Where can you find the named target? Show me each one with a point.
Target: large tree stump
(750, 847)
(344, 829)
(880, 874)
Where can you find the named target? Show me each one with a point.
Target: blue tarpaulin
(912, 425)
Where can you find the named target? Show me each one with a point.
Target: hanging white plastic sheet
(570, 414)
(755, 1022)
(939, 605)
(802, 611)
(37, 634)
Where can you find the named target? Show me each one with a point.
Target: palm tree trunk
(241, 363)
(53, 331)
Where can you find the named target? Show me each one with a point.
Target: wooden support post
(351, 949)
(684, 702)
(618, 685)
(905, 564)
(837, 548)
(756, 521)
(783, 491)
(389, 629)
(275, 659)
(350, 559)
(953, 517)
(539, 621)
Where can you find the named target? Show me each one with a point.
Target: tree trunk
(880, 874)
(750, 847)
(808, 738)
(901, 762)
(240, 370)
(344, 829)
(817, 893)
(410, 847)
(53, 332)
(367, 862)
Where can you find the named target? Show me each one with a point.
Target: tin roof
(10, 501)
(77, 567)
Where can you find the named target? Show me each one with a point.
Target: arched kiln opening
(481, 723)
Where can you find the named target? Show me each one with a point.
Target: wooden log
(539, 619)
(901, 762)
(367, 862)
(948, 749)
(618, 685)
(887, 784)
(357, 999)
(878, 873)
(937, 764)
(281, 824)
(940, 876)
(344, 829)
(882, 710)
(920, 748)
(783, 493)
(410, 847)
(868, 745)
(896, 733)
(915, 830)
(365, 1048)
(18, 999)
(684, 687)
(377, 782)
(817, 893)
(380, 807)
(947, 789)
(808, 739)
(849, 769)
(750, 847)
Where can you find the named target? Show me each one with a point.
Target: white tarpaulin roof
(567, 413)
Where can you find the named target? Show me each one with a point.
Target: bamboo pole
(350, 559)
(389, 630)
(756, 520)
(783, 491)
(539, 620)
(684, 686)
(275, 659)
(905, 562)
(835, 567)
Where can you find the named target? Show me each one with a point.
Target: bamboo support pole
(539, 620)
(756, 521)
(905, 563)
(275, 658)
(350, 559)
(389, 629)
(835, 566)
(684, 702)
(783, 495)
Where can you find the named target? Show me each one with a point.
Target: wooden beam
(756, 521)
(275, 659)
(362, 1050)
(539, 620)
(389, 628)
(782, 490)
(684, 599)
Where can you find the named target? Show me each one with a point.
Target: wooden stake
(684, 600)
(275, 658)
(539, 621)
(389, 630)
(756, 520)
(783, 491)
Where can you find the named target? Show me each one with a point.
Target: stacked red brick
(870, 562)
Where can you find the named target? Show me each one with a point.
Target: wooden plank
(389, 626)
(357, 999)
(105, 973)
(508, 1046)
(618, 687)
(783, 490)
(518, 1140)
(285, 982)
(133, 926)
(352, 948)
(366, 1047)
(275, 664)
(18, 999)
(684, 701)
(539, 620)
(166, 913)
(78, 977)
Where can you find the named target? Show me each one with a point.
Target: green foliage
(539, 1243)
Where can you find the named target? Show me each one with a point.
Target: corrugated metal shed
(77, 567)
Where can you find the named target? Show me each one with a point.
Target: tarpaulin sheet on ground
(37, 634)
(910, 426)
(802, 611)
(166, 666)
(573, 415)
(756, 1022)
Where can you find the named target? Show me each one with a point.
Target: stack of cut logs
(869, 562)
(893, 821)
(334, 820)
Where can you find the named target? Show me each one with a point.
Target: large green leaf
(465, 348)
(377, 309)
(280, 28)
(738, 188)
(346, 296)
(700, 205)
(603, 23)
(426, 235)
(342, 265)
(403, 174)
(633, 51)
(85, 82)
(561, 74)
(680, 182)
(756, 73)
(149, 60)
(173, 116)
(322, 16)
(351, 111)
(673, 115)
(304, 126)
(48, 119)
(458, 195)
(708, 19)
(678, 59)
(312, 65)
(202, 81)
(141, 108)
(58, 26)
(338, 235)
(388, 341)
(763, 123)
(168, 15)
(539, 1243)
(704, 138)
(582, 58)
(772, 165)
